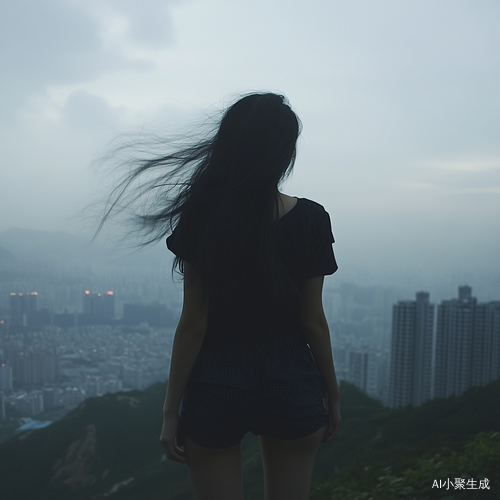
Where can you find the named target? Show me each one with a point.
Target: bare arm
(188, 340)
(317, 335)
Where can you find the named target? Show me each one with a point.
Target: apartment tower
(410, 375)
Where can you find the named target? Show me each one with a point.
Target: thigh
(221, 398)
(288, 465)
(215, 474)
(216, 416)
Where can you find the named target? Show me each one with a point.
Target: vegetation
(473, 472)
(108, 448)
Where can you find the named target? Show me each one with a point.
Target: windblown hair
(220, 193)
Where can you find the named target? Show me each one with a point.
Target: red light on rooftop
(110, 292)
(87, 292)
(2, 322)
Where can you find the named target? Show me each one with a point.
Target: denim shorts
(272, 388)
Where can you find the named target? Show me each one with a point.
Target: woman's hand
(332, 406)
(169, 432)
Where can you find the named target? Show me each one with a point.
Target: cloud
(148, 22)
(463, 165)
(471, 175)
(83, 109)
(61, 42)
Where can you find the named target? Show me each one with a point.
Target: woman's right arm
(188, 340)
(317, 335)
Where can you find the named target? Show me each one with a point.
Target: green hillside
(476, 465)
(108, 448)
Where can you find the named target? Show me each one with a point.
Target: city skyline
(438, 354)
(423, 353)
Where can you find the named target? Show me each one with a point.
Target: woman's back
(250, 312)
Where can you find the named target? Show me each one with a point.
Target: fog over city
(400, 107)
(399, 103)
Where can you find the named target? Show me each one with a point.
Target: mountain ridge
(6, 255)
(108, 446)
(65, 247)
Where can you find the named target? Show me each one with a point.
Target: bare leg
(215, 473)
(288, 465)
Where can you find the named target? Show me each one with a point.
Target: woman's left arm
(188, 340)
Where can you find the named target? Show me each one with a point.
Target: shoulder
(316, 239)
(313, 211)
(312, 206)
(316, 220)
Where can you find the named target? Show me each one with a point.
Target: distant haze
(399, 102)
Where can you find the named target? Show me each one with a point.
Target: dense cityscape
(399, 352)
(47, 365)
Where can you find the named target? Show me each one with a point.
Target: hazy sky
(399, 101)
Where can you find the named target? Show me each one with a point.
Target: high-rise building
(35, 367)
(22, 306)
(467, 344)
(486, 344)
(108, 305)
(99, 307)
(22, 369)
(358, 368)
(410, 379)
(153, 314)
(2, 406)
(5, 377)
(455, 324)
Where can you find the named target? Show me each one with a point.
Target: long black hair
(220, 193)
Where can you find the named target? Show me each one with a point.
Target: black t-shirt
(304, 247)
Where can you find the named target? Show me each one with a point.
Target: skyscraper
(467, 344)
(2, 406)
(455, 323)
(108, 305)
(22, 306)
(5, 377)
(486, 344)
(98, 307)
(410, 379)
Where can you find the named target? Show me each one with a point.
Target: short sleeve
(321, 260)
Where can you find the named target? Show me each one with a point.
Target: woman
(252, 349)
